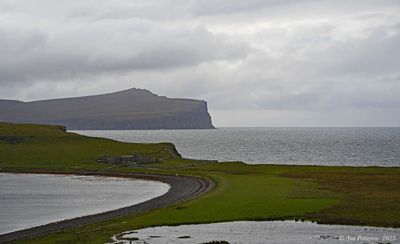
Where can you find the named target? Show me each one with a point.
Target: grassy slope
(366, 196)
(49, 147)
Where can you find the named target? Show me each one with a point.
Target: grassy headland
(341, 195)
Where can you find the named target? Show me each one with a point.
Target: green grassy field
(49, 147)
(341, 195)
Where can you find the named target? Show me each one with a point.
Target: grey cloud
(290, 57)
(375, 54)
(211, 7)
(150, 10)
(32, 55)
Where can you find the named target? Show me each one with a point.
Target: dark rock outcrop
(133, 109)
(128, 160)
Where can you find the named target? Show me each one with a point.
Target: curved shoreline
(182, 188)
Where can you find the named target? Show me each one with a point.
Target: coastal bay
(30, 200)
(334, 195)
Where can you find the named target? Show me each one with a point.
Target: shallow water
(264, 232)
(28, 200)
(318, 146)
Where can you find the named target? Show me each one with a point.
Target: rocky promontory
(133, 109)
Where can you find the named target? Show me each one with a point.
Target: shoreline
(181, 188)
(362, 196)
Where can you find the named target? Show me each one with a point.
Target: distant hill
(133, 109)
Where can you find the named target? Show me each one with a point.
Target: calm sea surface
(319, 146)
(28, 200)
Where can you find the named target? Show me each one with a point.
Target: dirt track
(182, 188)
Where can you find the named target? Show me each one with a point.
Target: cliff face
(133, 109)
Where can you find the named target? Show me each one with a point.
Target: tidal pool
(261, 232)
(28, 200)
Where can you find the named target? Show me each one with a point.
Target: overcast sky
(256, 62)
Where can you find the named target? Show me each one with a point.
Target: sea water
(311, 146)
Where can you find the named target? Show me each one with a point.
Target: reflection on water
(261, 232)
(28, 200)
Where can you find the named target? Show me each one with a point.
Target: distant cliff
(133, 109)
